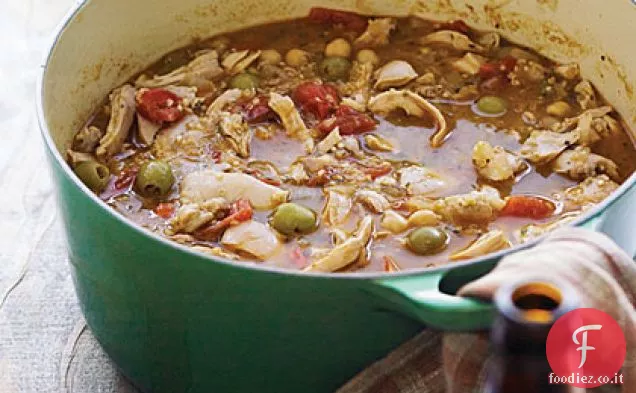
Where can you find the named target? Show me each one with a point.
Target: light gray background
(44, 346)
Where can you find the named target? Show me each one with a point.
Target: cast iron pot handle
(422, 298)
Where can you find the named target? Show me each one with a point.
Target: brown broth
(411, 139)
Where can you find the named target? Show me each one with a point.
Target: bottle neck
(526, 311)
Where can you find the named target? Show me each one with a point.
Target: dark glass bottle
(526, 310)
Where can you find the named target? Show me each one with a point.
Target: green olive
(93, 174)
(427, 240)
(292, 219)
(334, 68)
(245, 81)
(154, 179)
(492, 105)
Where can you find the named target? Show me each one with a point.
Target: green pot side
(177, 322)
(174, 321)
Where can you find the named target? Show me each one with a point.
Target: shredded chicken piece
(581, 163)
(419, 202)
(200, 73)
(372, 200)
(589, 192)
(419, 180)
(329, 141)
(290, 117)
(585, 95)
(253, 238)
(146, 130)
(469, 64)
(297, 174)
(337, 206)
(193, 216)
(186, 93)
(178, 141)
(237, 62)
(395, 73)
(358, 103)
(533, 231)
(592, 125)
(474, 208)
(347, 252)
(237, 133)
(378, 143)
(453, 39)
(527, 72)
(544, 146)
(495, 163)
(490, 40)
(377, 33)
(492, 241)
(314, 164)
(414, 105)
(357, 90)
(122, 115)
(568, 71)
(203, 185)
(87, 139)
(228, 97)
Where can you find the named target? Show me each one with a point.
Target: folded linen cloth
(432, 362)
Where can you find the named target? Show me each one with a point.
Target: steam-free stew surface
(339, 143)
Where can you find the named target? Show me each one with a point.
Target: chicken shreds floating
(341, 142)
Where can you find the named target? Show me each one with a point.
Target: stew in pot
(341, 143)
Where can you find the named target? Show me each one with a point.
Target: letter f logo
(583, 345)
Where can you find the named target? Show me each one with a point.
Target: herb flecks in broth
(342, 143)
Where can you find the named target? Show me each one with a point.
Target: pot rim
(591, 214)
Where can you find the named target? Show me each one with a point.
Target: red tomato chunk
(317, 99)
(349, 121)
(164, 210)
(160, 106)
(528, 207)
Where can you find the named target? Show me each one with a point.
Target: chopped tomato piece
(216, 156)
(318, 99)
(456, 25)
(160, 106)
(256, 110)
(499, 69)
(126, 178)
(121, 184)
(349, 121)
(489, 70)
(240, 211)
(508, 64)
(348, 20)
(318, 180)
(164, 210)
(298, 258)
(528, 207)
(377, 171)
(390, 265)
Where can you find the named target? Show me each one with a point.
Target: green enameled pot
(178, 321)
